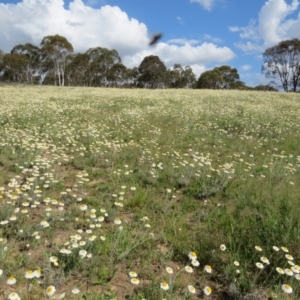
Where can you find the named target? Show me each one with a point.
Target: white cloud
(272, 26)
(182, 41)
(185, 54)
(249, 47)
(198, 69)
(207, 4)
(234, 28)
(249, 32)
(82, 25)
(215, 40)
(246, 67)
(107, 26)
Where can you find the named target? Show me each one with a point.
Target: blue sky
(199, 33)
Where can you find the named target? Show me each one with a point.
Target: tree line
(55, 63)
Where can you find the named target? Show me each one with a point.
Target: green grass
(162, 173)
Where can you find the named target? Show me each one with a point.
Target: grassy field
(149, 194)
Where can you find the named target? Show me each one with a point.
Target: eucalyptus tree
(173, 76)
(188, 78)
(180, 77)
(152, 72)
(101, 60)
(211, 79)
(240, 85)
(282, 62)
(117, 75)
(230, 76)
(76, 69)
(223, 77)
(14, 67)
(32, 53)
(1, 55)
(132, 76)
(55, 49)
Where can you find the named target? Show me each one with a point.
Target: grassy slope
(206, 167)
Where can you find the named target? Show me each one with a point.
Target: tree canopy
(32, 54)
(229, 75)
(224, 77)
(101, 60)
(152, 72)
(55, 62)
(180, 77)
(13, 67)
(54, 50)
(211, 79)
(282, 62)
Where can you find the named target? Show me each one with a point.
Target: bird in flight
(155, 38)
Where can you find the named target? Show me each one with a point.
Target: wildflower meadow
(149, 194)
